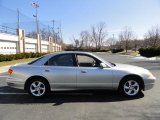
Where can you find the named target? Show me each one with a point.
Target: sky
(78, 15)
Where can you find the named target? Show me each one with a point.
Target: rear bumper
(15, 83)
(149, 83)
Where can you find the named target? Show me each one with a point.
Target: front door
(90, 75)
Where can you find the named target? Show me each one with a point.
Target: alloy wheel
(37, 88)
(131, 88)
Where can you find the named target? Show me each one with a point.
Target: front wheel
(130, 88)
(38, 88)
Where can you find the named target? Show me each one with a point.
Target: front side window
(61, 60)
(87, 61)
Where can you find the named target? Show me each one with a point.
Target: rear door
(61, 70)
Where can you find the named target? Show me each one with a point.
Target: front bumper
(15, 83)
(149, 83)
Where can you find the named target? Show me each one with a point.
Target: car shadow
(58, 98)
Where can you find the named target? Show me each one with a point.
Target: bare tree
(32, 34)
(120, 41)
(126, 35)
(86, 40)
(76, 42)
(45, 33)
(111, 43)
(98, 35)
(152, 37)
(95, 38)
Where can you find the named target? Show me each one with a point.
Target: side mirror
(102, 65)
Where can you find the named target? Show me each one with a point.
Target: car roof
(48, 56)
(70, 52)
(43, 60)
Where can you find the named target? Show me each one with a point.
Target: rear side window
(30, 63)
(61, 60)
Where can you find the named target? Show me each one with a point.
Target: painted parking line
(13, 93)
(72, 93)
(5, 93)
(3, 76)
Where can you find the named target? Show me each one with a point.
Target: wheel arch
(133, 76)
(36, 77)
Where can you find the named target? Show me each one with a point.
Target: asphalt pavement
(84, 105)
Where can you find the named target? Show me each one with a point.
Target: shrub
(19, 56)
(149, 52)
(2, 58)
(87, 50)
(103, 50)
(117, 50)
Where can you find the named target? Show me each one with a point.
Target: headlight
(149, 75)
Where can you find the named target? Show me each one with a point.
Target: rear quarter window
(32, 62)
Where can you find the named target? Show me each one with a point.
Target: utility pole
(53, 25)
(112, 41)
(58, 34)
(49, 31)
(61, 33)
(54, 34)
(113, 36)
(36, 6)
(17, 18)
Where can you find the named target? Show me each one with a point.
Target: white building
(12, 44)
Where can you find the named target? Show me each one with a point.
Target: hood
(130, 69)
(126, 66)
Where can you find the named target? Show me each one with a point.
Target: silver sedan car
(78, 71)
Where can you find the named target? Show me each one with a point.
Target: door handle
(83, 71)
(47, 70)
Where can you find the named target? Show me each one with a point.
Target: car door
(60, 70)
(90, 75)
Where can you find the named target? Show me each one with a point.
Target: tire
(38, 88)
(130, 87)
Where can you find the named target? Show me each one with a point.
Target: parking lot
(84, 105)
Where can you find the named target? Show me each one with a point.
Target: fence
(13, 19)
(5, 29)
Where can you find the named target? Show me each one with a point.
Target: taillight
(10, 71)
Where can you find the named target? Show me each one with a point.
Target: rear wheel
(130, 87)
(38, 88)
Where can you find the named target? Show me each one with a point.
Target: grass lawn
(133, 53)
(5, 63)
